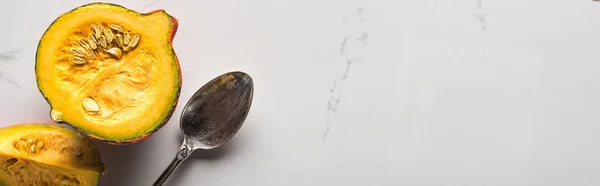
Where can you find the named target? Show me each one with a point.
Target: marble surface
(363, 92)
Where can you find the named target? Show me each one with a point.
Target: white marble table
(363, 92)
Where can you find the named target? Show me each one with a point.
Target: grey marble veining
(6, 59)
(356, 39)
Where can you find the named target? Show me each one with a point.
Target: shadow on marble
(122, 161)
(217, 154)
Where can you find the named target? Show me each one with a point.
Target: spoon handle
(182, 155)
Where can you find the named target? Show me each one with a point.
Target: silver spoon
(212, 116)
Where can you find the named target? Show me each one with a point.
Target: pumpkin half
(109, 71)
(48, 154)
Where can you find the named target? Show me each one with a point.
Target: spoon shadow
(217, 154)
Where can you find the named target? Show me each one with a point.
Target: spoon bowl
(212, 116)
(215, 113)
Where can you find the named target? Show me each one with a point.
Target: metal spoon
(212, 116)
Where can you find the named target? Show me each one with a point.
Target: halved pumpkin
(109, 71)
(47, 154)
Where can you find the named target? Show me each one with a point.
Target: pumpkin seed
(115, 52)
(109, 36)
(126, 38)
(90, 105)
(32, 149)
(96, 31)
(75, 181)
(78, 60)
(39, 145)
(102, 42)
(77, 52)
(92, 42)
(21, 145)
(119, 40)
(65, 182)
(91, 53)
(116, 27)
(83, 43)
(134, 41)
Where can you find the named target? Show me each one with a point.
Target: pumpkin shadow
(123, 160)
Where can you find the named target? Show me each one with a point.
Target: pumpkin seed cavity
(29, 145)
(113, 40)
(102, 44)
(21, 171)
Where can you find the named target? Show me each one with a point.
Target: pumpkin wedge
(109, 71)
(47, 154)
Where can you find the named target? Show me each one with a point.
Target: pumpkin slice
(47, 154)
(109, 71)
